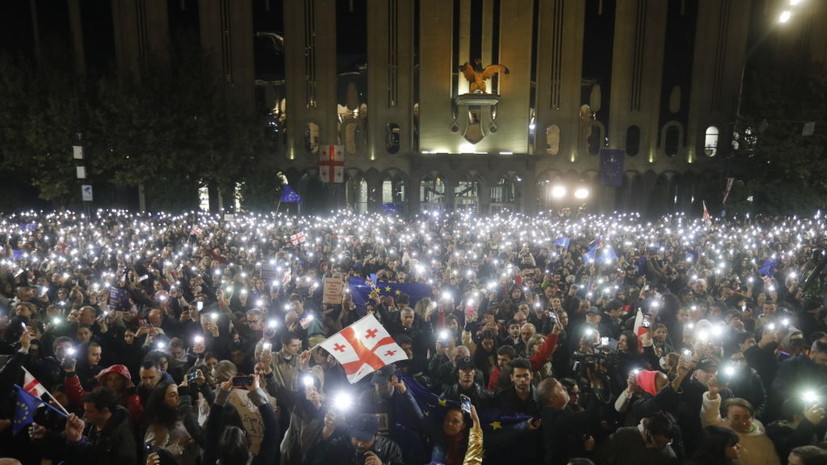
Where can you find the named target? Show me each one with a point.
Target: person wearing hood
(758, 449)
(116, 378)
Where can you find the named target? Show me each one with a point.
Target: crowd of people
(546, 339)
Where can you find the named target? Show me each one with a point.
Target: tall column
(390, 77)
(227, 33)
(559, 74)
(721, 40)
(637, 67)
(310, 62)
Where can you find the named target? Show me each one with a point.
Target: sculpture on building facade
(477, 75)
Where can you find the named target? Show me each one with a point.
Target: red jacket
(75, 392)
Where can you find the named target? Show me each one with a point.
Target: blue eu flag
(24, 410)
(289, 195)
(361, 291)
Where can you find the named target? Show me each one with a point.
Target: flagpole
(63, 413)
(48, 393)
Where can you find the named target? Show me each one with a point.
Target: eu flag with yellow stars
(433, 409)
(362, 290)
(24, 410)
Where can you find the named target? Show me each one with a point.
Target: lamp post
(748, 138)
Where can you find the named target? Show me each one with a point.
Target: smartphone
(242, 381)
(465, 403)
(192, 376)
(604, 341)
(142, 322)
(199, 305)
(647, 321)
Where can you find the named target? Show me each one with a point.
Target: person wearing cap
(466, 374)
(694, 387)
(368, 447)
(118, 379)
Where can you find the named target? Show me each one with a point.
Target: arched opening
(467, 193)
(392, 138)
(503, 195)
(711, 141)
(311, 138)
(432, 193)
(553, 139)
(632, 140)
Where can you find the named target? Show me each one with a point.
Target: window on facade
(311, 137)
(671, 143)
(503, 192)
(432, 190)
(711, 141)
(351, 138)
(392, 138)
(632, 141)
(553, 139)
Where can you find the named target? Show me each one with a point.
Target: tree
(787, 172)
(39, 120)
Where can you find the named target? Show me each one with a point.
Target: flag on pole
(32, 385)
(728, 188)
(707, 218)
(563, 242)
(289, 195)
(24, 410)
(639, 328)
(332, 164)
(363, 347)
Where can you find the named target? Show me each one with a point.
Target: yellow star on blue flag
(442, 402)
(495, 425)
(24, 410)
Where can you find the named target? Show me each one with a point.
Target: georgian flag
(363, 347)
(298, 238)
(32, 385)
(332, 164)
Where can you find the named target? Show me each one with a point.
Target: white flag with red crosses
(363, 347)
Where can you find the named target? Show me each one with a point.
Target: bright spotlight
(581, 193)
(558, 192)
(785, 16)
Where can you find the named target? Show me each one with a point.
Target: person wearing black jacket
(565, 432)
(107, 439)
(228, 445)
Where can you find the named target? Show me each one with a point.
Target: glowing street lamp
(558, 192)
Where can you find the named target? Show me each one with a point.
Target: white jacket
(756, 447)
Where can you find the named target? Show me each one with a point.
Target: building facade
(649, 88)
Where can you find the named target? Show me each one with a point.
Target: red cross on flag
(32, 385)
(363, 347)
(298, 238)
(332, 163)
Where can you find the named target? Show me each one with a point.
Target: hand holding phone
(465, 403)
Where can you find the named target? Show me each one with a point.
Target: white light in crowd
(558, 192)
(214, 316)
(809, 396)
(581, 193)
(199, 339)
(343, 401)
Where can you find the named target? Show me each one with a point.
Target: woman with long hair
(171, 424)
(720, 447)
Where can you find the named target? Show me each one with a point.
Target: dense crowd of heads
(573, 337)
